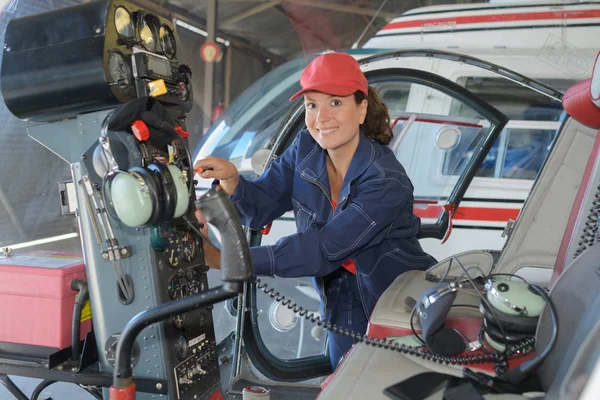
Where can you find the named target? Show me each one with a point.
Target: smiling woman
(355, 196)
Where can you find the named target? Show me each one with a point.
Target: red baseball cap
(334, 73)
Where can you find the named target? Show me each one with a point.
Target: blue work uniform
(373, 224)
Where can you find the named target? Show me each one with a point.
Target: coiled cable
(500, 359)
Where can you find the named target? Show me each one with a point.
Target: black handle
(236, 265)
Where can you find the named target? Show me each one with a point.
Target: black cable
(499, 359)
(518, 374)
(12, 388)
(465, 305)
(511, 275)
(491, 308)
(447, 271)
(541, 292)
(39, 388)
(412, 326)
(93, 391)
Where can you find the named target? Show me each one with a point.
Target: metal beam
(343, 8)
(209, 67)
(173, 12)
(249, 12)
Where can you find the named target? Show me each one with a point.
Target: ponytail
(377, 121)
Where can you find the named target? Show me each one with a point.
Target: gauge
(178, 287)
(181, 347)
(189, 247)
(110, 350)
(178, 321)
(124, 23)
(167, 41)
(195, 284)
(148, 30)
(174, 249)
(118, 69)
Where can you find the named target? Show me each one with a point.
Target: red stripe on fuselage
(479, 19)
(470, 213)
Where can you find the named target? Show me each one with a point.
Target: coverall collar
(314, 166)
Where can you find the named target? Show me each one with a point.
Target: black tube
(12, 388)
(122, 372)
(82, 288)
(39, 388)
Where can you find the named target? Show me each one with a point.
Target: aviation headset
(510, 310)
(141, 195)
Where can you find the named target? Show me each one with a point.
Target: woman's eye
(336, 102)
(310, 106)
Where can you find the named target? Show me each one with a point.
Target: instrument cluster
(141, 51)
(145, 29)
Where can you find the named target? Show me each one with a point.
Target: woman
(351, 197)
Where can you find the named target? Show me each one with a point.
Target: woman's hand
(212, 255)
(218, 168)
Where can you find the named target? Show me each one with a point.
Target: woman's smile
(327, 131)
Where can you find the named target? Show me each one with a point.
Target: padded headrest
(595, 84)
(577, 101)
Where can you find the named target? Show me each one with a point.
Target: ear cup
(168, 191)
(131, 199)
(154, 190)
(509, 322)
(513, 297)
(181, 190)
(512, 337)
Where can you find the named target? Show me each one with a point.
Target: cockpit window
(250, 122)
(521, 148)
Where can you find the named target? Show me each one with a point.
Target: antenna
(355, 45)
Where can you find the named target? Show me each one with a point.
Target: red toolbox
(36, 300)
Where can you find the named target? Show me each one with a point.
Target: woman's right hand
(212, 255)
(218, 168)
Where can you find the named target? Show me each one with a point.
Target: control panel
(160, 260)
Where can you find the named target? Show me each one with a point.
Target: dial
(124, 23)
(118, 69)
(110, 350)
(178, 287)
(148, 32)
(195, 284)
(189, 247)
(167, 41)
(181, 347)
(174, 249)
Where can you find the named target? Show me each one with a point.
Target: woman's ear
(362, 111)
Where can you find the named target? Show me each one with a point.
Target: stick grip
(236, 265)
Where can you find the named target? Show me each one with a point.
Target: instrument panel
(116, 50)
(151, 47)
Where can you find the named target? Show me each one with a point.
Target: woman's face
(333, 121)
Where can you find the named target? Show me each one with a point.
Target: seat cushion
(367, 371)
(391, 316)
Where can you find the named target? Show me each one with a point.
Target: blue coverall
(373, 224)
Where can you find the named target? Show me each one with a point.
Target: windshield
(251, 120)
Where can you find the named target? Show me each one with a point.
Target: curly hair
(377, 121)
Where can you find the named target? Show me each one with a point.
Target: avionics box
(36, 300)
